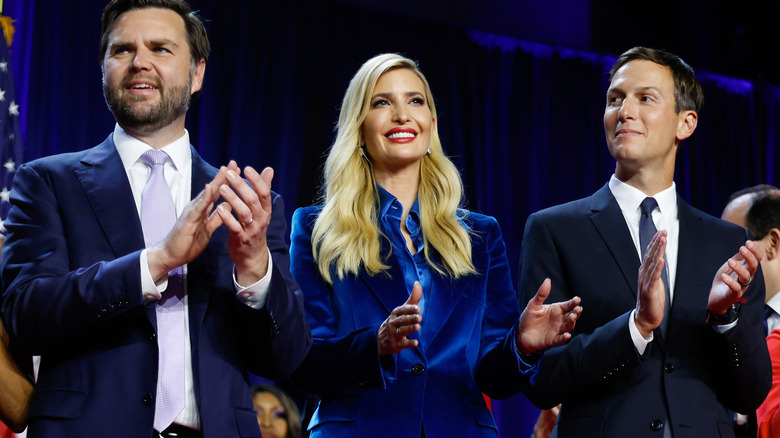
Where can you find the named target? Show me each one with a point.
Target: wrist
(644, 329)
(249, 272)
(729, 316)
(155, 260)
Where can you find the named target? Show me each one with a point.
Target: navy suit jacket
(465, 344)
(607, 389)
(72, 294)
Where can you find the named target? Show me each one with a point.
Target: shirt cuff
(150, 291)
(640, 342)
(256, 294)
(526, 363)
(725, 327)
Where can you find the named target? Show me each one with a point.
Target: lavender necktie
(158, 215)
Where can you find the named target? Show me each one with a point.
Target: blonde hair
(346, 235)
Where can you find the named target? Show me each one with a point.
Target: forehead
(149, 24)
(266, 398)
(400, 79)
(641, 73)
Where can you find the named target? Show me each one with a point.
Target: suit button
(148, 399)
(656, 425)
(668, 367)
(418, 369)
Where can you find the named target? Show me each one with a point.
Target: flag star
(2, 226)
(5, 195)
(10, 166)
(3, 66)
(13, 109)
(2, 95)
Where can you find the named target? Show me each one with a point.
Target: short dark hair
(197, 39)
(764, 214)
(687, 90)
(757, 189)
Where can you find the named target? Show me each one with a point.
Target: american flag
(10, 139)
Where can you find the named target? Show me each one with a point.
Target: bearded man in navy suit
(81, 287)
(665, 350)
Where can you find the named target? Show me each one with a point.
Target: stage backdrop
(522, 120)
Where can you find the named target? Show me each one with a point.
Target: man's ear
(197, 76)
(688, 121)
(772, 244)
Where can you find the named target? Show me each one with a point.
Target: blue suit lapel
(389, 288)
(444, 297)
(208, 263)
(611, 225)
(105, 184)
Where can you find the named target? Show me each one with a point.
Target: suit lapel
(444, 297)
(389, 288)
(207, 265)
(112, 203)
(691, 234)
(611, 225)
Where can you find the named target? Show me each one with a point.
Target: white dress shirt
(178, 175)
(665, 218)
(773, 321)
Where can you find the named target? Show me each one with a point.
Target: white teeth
(142, 86)
(401, 135)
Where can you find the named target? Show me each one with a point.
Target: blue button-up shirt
(414, 267)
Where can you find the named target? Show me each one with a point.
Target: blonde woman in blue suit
(408, 296)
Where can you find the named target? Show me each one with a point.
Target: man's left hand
(252, 206)
(545, 325)
(733, 278)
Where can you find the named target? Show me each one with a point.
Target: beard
(131, 113)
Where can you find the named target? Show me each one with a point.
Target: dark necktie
(768, 312)
(646, 232)
(158, 215)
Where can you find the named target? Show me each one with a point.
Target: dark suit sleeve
(336, 362)
(499, 372)
(741, 354)
(589, 359)
(285, 336)
(45, 300)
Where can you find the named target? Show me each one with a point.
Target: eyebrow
(154, 42)
(389, 95)
(641, 89)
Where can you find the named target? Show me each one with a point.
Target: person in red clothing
(762, 219)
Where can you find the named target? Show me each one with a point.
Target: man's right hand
(191, 232)
(651, 298)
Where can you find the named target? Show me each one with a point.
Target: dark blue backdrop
(522, 120)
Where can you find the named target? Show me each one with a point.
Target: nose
(626, 111)
(401, 114)
(264, 419)
(141, 60)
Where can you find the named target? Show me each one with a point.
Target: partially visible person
(671, 338)
(15, 387)
(762, 219)
(740, 201)
(736, 212)
(277, 413)
(545, 423)
(409, 297)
